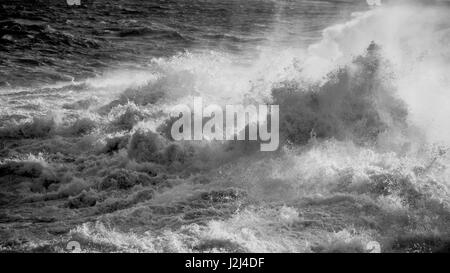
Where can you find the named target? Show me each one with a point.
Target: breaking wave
(364, 155)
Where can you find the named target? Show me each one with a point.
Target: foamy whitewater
(364, 156)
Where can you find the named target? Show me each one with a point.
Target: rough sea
(363, 163)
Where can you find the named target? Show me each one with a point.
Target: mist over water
(85, 94)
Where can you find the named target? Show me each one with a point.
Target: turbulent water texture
(85, 153)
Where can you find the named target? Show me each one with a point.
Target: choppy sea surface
(85, 155)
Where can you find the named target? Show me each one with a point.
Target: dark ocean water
(47, 41)
(363, 164)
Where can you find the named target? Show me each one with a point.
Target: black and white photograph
(224, 126)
